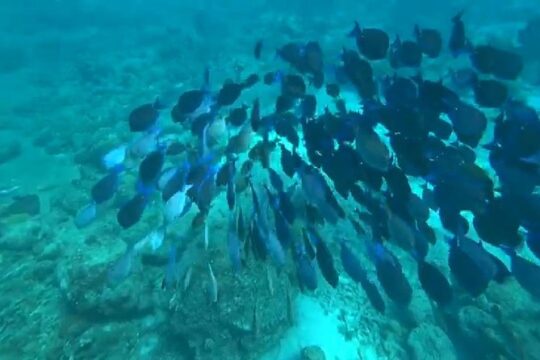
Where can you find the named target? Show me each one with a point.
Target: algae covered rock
(429, 342)
(312, 353)
(252, 313)
(86, 292)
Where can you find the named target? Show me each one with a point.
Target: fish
(233, 244)
(114, 159)
(490, 93)
(353, 268)
(333, 90)
(458, 42)
(229, 93)
(429, 40)
(143, 117)
(405, 53)
(237, 116)
(241, 225)
(324, 258)
(86, 215)
(371, 42)
(502, 64)
(213, 285)
(360, 73)
(130, 212)
(468, 272)
(122, 268)
(372, 149)
(390, 275)
(289, 161)
(175, 207)
(305, 269)
(434, 283)
(170, 279)
(105, 188)
(231, 187)
(258, 49)
(150, 169)
(525, 272)
(206, 238)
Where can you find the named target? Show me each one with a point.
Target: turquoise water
(70, 74)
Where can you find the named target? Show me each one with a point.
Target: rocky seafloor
(66, 92)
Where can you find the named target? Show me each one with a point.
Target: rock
(429, 342)
(312, 353)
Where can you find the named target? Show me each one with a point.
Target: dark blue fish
(526, 273)
(466, 270)
(503, 64)
(458, 43)
(258, 244)
(305, 269)
(105, 188)
(176, 182)
(533, 242)
(469, 122)
(405, 54)
(371, 42)
(241, 225)
(324, 258)
(170, 279)
(150, 168)
(434, 283)
(231, 185)
(143, 118)
(258, 49)
(390, 275)
(490, 93)
(283, 231)
(233, 244)
(289, 161)
(131, 212)
(353, 267)
(429, 40)
(275, 180)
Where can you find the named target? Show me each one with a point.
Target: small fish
(206, 241)
(171, 275)
(305, 271)
(86, 215)
(176, 206)
(258, 49)
(122, 267)
(458, 43)
(187, 278)
(213, 286)
(233, 245)
(275, 180)
(429, 40)
(115, 158)
(270, 280)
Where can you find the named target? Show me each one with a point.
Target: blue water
(71, 72)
